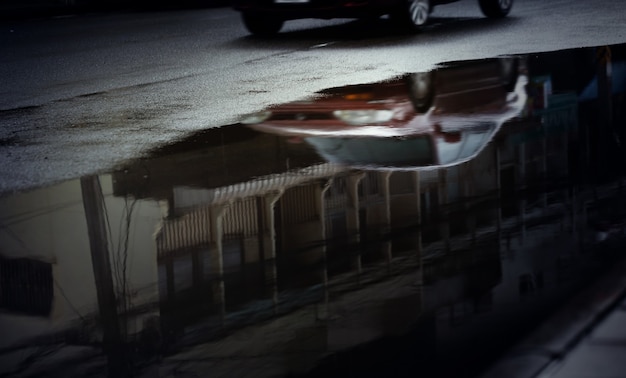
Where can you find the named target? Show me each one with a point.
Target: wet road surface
(305, 243)
(84, 93)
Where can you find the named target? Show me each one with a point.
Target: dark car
(266, 17)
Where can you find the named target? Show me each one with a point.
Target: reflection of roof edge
(188, 197)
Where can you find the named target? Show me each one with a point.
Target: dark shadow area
(376, 31)
(14, 10)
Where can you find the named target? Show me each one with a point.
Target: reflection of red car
(438, 118)
(267, 16)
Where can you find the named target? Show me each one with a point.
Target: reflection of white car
(434, 119)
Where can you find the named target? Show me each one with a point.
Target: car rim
(505, 4)
(418, 11)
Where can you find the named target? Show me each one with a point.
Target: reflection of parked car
(268, 16)
(438, 118)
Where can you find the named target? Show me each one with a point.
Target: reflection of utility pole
(444, 215)
(522, 179)
(217, 257)
(466, 173)
(498, 185)
(323, 310)
(267, 241)
(604, 82)
(418, 238)
(384, 178)
(93, 202)
(605, 105)
(352, 219)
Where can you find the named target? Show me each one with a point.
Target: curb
(555, 338)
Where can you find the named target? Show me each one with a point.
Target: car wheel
(495, 8)
(421, 90)
(262, 25)
(413, 14)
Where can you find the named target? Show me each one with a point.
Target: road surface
(82, 94)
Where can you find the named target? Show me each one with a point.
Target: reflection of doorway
(244, 281)
(232, 252)
(369, 238)
(339, 247)
(508, 197)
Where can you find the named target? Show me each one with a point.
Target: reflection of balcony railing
(240, 220)
(190, 198)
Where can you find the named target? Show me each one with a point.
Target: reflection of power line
(21, 217)
(120, 255)
(6, 222)
(72, 307)
(17, 238)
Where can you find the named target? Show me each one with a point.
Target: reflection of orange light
(358, 96)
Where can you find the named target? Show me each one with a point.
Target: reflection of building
(46, 271)
(242, 247)
(249, 227)
(233, 253)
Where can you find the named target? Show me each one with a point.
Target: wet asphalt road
(82, 94)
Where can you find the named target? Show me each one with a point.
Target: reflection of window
(26, 286)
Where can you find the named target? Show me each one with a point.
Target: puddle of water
(305, 242)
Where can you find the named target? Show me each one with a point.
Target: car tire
(421, 90)
(413, 14)
(261, 25)
(495, 8)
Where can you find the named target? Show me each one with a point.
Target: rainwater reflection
(239, 252)
(422, 120)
